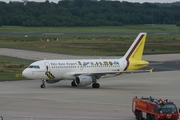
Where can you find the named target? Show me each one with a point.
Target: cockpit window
(34, 66)
(30, 66)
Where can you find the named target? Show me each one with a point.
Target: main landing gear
(95, 85)
(43, 83)
(73, 83)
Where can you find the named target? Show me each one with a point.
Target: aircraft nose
(25, 73)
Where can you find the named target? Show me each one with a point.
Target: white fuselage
(65, 69)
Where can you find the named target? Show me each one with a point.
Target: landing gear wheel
(95, 85)
(42, 86)
(73, 84)
(43, 83)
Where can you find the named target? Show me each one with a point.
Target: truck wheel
(148, 116)
(152, 117)
(140, 115)
(137, 115)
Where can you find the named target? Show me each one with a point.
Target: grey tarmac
(25, 100)
(36, 55)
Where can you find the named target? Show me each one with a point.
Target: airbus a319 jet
(87, 72)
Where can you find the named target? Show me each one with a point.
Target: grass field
(9, 67)
(83, 44)
(126, 28)
(92, 44)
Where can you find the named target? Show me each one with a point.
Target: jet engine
(83, 80)
(52, 81)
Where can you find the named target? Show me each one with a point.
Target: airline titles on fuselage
(54, 63)
(85, 63)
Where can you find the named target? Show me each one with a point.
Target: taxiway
(25, 100)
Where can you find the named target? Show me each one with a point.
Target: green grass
(92, 45)
(83, 44)
(9, 67)
(125, 28)
(10, 76)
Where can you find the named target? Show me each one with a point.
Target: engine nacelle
(83, 80)
(52, 81)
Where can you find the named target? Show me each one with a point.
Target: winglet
(151, 70)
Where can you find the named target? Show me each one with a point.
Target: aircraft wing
(114, 73)
(96, 73)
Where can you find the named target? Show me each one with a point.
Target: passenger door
(48, 68)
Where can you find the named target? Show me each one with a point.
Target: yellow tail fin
(134, 54)
(136, 49)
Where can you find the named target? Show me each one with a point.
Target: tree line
(86, 13)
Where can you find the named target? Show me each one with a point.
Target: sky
(140, 1)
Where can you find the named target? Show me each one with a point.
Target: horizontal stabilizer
(137, 71)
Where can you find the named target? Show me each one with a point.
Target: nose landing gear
(43, 83)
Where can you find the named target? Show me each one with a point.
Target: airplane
(86, 72)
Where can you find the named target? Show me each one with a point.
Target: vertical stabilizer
(136, 49)
(134, 54)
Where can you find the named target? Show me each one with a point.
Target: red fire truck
(154, 109)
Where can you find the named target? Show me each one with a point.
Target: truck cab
(154, 109)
